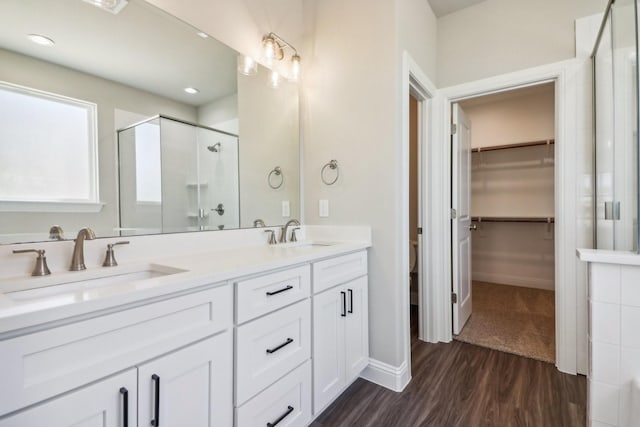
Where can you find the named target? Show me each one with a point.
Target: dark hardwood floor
(463, 385)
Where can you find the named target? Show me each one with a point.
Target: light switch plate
(286, 209)
(323, 208)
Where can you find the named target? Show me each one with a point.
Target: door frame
(569, 124)
(416, 83)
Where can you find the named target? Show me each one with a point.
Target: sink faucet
(77, 260)
(283, 234)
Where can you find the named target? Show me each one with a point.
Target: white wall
(500, 36)
(351, 113)
(110, 97)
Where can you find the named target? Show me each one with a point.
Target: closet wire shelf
(509, 146)
(541, 220)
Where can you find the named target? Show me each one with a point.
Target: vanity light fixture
(247, 66)
(274, 46)
(113, 6)
(191, 90)
(41, 40)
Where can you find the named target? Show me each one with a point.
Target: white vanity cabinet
(107, 403)
(174, 357)
(273, 375)
(340, 325)
(189, 387)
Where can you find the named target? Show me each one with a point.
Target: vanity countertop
(187, 273)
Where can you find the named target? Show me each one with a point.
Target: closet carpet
(512, 319)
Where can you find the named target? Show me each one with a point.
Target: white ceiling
(141, 46)
(444, 7)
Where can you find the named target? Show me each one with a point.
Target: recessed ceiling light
(191, 90)
(113, 6)
(202, 35)
(41, 40)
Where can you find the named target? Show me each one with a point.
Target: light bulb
(269, 45)
(247, 66)
(295, 67)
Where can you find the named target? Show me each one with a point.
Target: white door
(107, 403)
(329, 315)
(190, 387)
(356, 328)
(461, 224)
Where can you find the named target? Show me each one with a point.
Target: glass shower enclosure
(616, 118)
(177, 176)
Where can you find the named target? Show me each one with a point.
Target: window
(148, 165)
(48, 151)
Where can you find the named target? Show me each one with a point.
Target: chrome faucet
(77, 260)
(283, 233)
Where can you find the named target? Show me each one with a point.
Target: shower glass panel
(616, 124)
(177, 176)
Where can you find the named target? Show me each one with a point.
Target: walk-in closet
(512, 208)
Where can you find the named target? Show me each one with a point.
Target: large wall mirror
(136, 123)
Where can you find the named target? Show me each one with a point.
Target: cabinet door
(101, 404)
(356, 328)
(189, 387)
(329, 314)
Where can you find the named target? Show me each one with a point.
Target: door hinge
(454, 129)
(419, 230)
(454, 298)
(453, 214)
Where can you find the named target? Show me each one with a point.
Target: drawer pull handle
(282, 417)
(343, 295)
(350, 300)
(273, 350)
(125, 406)
(156, 421)
(279, 290)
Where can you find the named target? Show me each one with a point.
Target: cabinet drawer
(270, 347)
(43, 364)
(334, 271)
(270, 292)
(288, 400)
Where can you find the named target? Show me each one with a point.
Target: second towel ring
(277, 171)
(333, 165)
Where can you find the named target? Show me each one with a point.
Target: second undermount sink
(304, 244)
(87, 281)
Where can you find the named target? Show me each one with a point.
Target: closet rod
(542, 220)
(508, 146)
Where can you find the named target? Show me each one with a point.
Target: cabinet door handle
(281, 417)
(125, 406)
(350, 300)
(343, 295)
(156, 411)
(273, 350)
(279, 290)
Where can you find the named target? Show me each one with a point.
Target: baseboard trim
(394, 378)
(521, 281)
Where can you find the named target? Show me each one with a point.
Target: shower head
(215, 148)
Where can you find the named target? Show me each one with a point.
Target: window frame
(90, 204)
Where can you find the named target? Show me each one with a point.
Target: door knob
(473, 227)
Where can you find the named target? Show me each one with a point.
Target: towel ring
(277, 171)
(333, 165)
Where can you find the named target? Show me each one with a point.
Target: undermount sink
(88, 281)
(304, 244)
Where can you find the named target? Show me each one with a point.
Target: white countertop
(200, 270)
(608, 257)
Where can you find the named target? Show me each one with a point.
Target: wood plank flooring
(459, 384)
